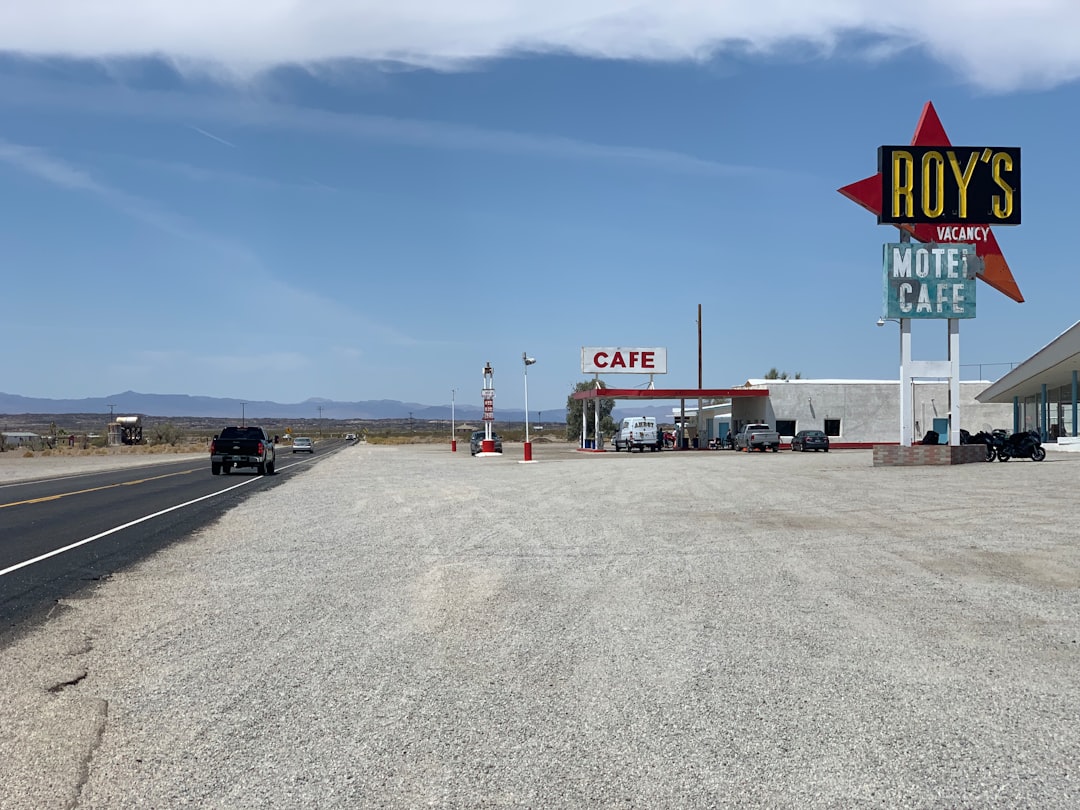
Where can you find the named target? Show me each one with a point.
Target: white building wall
(868, 410)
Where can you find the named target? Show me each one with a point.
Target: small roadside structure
(17, 438)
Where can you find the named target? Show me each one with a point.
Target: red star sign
(867, 193)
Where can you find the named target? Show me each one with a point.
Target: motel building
(852, 413)
(855, 414)
(1042, 394)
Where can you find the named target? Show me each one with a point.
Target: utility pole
(699, 346)
(320, 408)
(700, 420)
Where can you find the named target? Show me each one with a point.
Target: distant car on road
(476, 442)
(350, 437)
(810, 440)
(302, 444)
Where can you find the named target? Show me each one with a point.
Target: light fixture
(528, 361)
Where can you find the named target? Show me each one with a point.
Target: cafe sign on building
(929, 280)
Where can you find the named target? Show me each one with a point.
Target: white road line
(135, 522)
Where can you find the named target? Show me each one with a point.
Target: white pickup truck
(639, 432)
(757, 436)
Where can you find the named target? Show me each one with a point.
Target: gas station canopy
(670, 393)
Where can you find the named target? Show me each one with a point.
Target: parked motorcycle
(993, 441)
(1025, 444)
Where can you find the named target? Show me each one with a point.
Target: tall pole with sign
(488, 394)
(947, 197)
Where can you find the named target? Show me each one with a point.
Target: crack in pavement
(60, 687)
(101, 707)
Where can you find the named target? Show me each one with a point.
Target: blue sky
(352, 201)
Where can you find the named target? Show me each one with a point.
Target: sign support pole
(954, 382)
(907, 391)
(584, 410)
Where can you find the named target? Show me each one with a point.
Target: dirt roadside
(15, 466)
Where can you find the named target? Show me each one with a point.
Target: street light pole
(243, 416)
(528, 361)
(453, 429)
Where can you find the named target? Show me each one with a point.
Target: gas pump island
(946, 197)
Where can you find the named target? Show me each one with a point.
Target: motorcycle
(993, 441)
(1025, 444)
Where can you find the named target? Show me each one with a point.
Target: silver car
(302, 444)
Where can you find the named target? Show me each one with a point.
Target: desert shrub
(165, 433)
(28, 454)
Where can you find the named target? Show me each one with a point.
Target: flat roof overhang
(670, 393)
(1053, 366)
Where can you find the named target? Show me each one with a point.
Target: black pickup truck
(242, 447)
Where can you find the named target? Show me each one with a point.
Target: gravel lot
(403, 627)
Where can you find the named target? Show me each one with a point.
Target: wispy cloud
(57, 172)
(212, 136)
(995, 45)
(217, 176)
(340, 316)
(245, 112)
(38, 163)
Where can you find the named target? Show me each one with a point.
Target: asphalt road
(59, 534)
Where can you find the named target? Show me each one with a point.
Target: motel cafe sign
(622, 360)
(929, 280)
(976, 185)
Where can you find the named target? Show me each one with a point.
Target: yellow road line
(60, 495)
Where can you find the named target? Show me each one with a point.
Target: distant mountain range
(176, 405)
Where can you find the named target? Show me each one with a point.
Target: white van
(639, 432)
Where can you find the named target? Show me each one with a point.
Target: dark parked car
(810, 440)
(477, 439)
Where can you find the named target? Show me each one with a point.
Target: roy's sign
(929, 281)
(620, 360)
(976, 185)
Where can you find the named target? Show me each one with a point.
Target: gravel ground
(402, 627)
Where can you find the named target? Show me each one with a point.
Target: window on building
(785, 427)
(832, 427)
